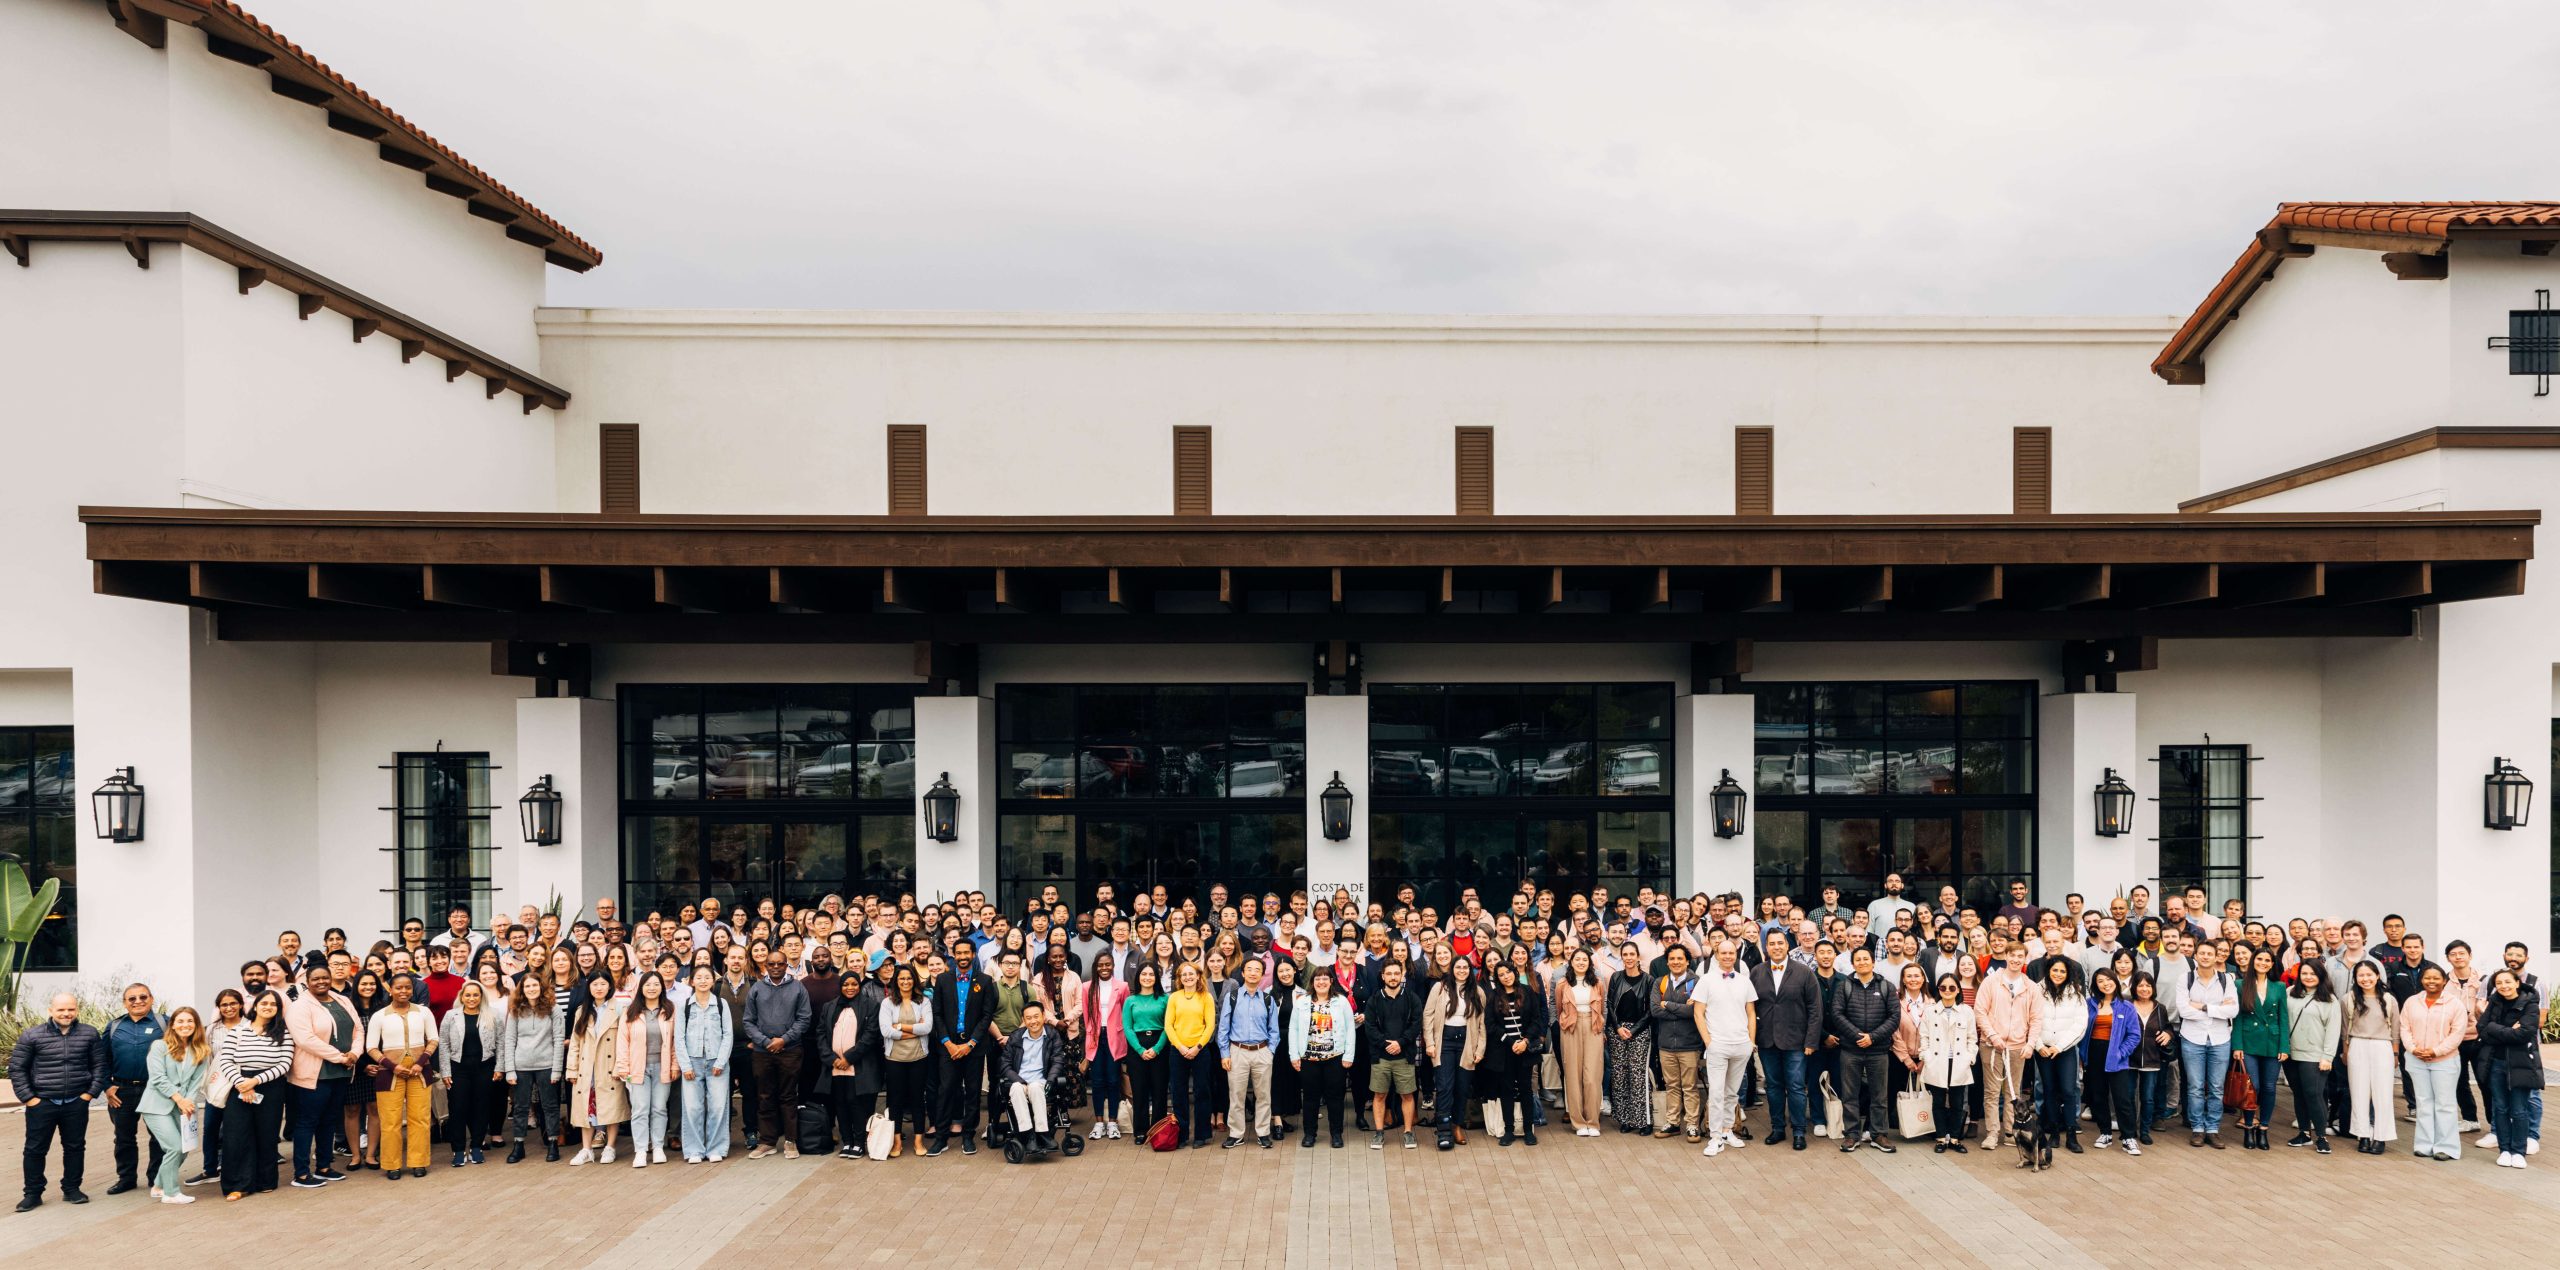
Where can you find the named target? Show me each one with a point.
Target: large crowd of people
(884, 1028)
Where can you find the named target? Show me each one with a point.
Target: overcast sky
(1481, 156)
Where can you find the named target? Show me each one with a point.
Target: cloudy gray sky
(1494, 156)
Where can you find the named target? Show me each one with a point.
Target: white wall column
(1712, 732)
(957, 735)
(571, 740)
(1338, 741)
(2079, 735)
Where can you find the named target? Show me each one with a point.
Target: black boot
(515, 1154)
(551, 1153)
(2071, 1141)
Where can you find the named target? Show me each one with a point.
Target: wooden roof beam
(1955, 587)
(711, 590)
(466, 586)
(366, 586)
(2395, 582)
(1831, 591)
(263, 586)
(2058, 586)
(2252, 587)
(2164, 586)
(597, 590)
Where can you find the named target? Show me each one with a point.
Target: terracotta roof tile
(229, 21)
(2181, 360)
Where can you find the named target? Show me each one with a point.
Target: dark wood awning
(580, 577)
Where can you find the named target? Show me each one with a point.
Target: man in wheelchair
(1035, 1058)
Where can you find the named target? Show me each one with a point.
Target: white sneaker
(2486, 1141)
(639, 1157)
(585, 1155)
(1115, 1130)
(1098, 1130)
(2533, 1146)
(2133, 1146)
(1822, 1131)
(1715, 1147)
(177, 1198)
(2506, 1160)
(1732, 1141)
(607, 1157)
(2468, 1126)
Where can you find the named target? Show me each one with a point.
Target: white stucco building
(322, 524)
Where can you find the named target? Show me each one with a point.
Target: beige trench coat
(591, 1069)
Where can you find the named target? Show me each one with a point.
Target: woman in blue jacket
(2107, 1055)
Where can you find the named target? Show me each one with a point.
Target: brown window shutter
(1190, 471)
(2031, 471)
(618, 466)
(1754, 480)
(906, 469)
(1475, 471)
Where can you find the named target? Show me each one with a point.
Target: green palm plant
(22, 914)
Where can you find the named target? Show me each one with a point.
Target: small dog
(2035, 1150)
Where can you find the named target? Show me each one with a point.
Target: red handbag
(2237, 1093)
(1165, 1134)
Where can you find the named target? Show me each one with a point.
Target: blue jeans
(2264, 1071)
(2206, 1067)
(2147, 1092)
(315, 1125)
(703, 1131)
(649, 1111)
(2058, 1091)
(1784, 1070)
(2437, 1122)
(2516, 1114)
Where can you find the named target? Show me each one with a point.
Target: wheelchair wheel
(1012, 1151)
(1074, 1144)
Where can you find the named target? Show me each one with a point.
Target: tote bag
(1165, 1134)
(882, 1134)
(2237, 1093)
(1911, 1110)
(1833, 1114)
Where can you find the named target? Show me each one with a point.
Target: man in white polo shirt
(1722, 1003)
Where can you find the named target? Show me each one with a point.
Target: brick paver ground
(1612, 1201)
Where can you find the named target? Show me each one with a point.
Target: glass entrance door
(1802, 852)
(1187, 853)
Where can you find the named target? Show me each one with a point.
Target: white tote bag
(882, 1134)
(1834, 1116)
(1911, 1111)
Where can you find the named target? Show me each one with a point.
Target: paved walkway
(1611, 1201)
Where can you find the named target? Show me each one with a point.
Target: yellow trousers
(400, 1121)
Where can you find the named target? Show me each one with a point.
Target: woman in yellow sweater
(1191, 1025)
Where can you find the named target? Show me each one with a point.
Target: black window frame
(442, 819)
(2175, 808)
(1054, 830)
(1472, 849)
(29, 819)
(817, 779)
(1793, 718)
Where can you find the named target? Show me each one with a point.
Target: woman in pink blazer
(1106, 1044)
(644, 1056)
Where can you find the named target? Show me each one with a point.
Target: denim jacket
(704, 1034)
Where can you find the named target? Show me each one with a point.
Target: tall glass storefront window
(1934, 781)
(443, 838)
(746, 790)
(37, 810)
(1492, 785)
(1144, 785)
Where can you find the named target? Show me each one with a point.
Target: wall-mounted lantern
(2506, 796)
(117, 807)
(942, 811)
(1336, 802)
(2114, 799)
(1726, 801)
(540, 810)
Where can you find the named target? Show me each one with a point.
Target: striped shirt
(248, 1054)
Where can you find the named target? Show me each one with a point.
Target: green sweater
(1140, 1015)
